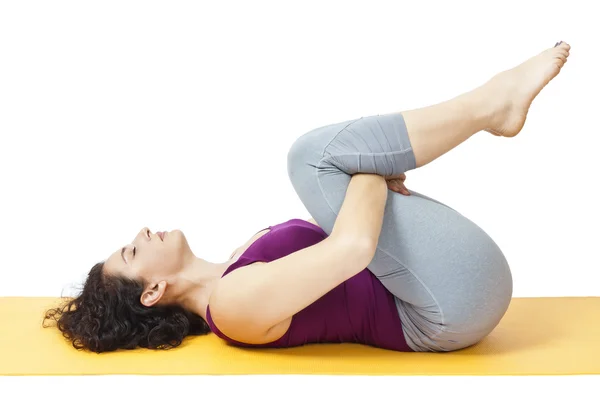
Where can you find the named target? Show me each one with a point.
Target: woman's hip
(452, 282)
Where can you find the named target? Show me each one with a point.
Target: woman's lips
(161, 235)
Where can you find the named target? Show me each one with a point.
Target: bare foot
(517, 87)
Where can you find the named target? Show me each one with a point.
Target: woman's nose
(144, 233)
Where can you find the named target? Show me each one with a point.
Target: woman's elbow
(360, 249)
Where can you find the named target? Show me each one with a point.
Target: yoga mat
(538, 336)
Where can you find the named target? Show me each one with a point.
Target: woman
(405, 273)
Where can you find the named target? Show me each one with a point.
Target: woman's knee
(320, 187)
(302, 159)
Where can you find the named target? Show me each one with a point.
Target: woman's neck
(197, 281)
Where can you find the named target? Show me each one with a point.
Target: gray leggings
(451, 281)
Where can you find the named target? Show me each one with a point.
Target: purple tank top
(360, 310)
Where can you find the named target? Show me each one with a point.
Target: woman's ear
(152, 295)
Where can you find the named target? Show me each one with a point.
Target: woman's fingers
(397, 185)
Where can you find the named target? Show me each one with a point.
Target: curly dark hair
(107, 315)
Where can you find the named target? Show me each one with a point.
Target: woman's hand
(397, 185)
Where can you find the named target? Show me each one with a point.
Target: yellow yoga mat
(538, 336)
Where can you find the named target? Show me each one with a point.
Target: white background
(116, 115)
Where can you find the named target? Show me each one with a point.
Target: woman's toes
(562, 46)
(560, 53)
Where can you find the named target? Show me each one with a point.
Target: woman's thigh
(451, 281)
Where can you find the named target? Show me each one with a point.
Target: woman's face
(148, 257)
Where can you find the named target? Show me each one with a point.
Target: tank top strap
(269, 228)
(274, 227)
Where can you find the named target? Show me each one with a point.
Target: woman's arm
(247, 303)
